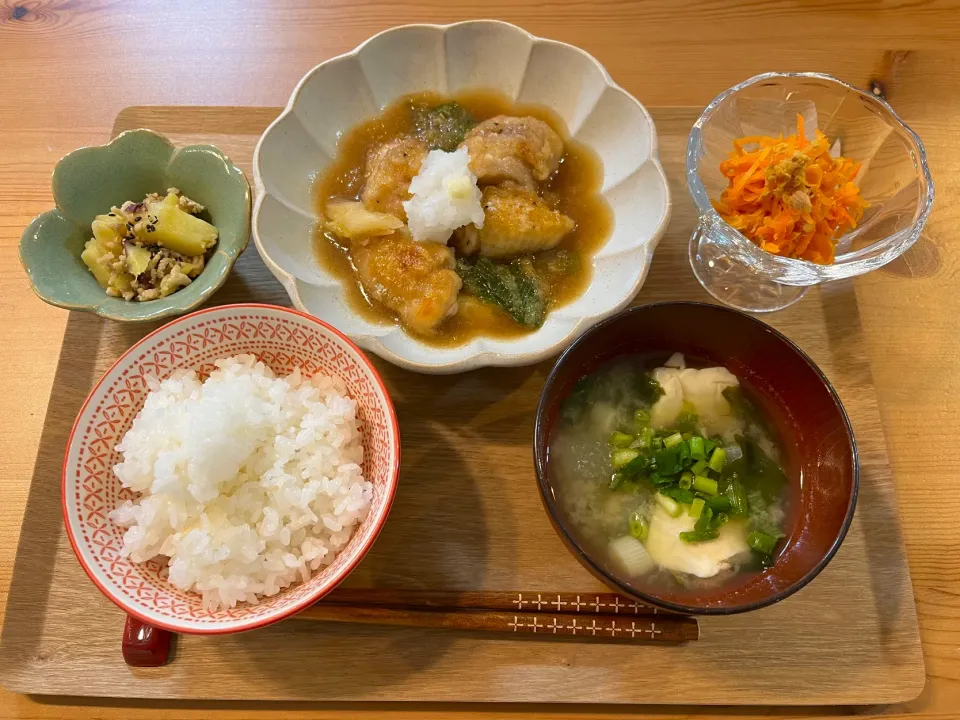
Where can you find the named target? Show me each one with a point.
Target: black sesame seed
(138, 218)
(150, 228)
(129, 226)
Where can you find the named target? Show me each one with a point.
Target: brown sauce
(574, 189)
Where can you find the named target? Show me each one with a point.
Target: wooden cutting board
(467, 516)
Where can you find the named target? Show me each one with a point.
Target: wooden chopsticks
(596, 617)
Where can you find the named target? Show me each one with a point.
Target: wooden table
(68, 67)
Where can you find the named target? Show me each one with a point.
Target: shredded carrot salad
(789, 196)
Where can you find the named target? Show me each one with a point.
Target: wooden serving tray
(468, 517)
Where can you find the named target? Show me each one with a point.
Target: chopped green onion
(686, 435)
(696, 448)
(719, 504)
(669, 505)
(667, 461)
(641, 419)
(636, 466)
(762, 542)
(686, 480)
(685, 458)
(719, 520)
(703, 522)
(644, 439)
(703, 529)
(619, 458)
(685, 497)
(717, 460)
(620, 439)
(696, 507)
(705, 484)
(616, 480)
(708, 446)
(671, 440)
(700, 467)
(738, 497)
(694, 536)
(658, 479)
(638, 526)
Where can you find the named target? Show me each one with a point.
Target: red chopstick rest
(145, 645)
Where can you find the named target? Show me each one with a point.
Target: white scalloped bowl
(345, 90)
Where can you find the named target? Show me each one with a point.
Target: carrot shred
(789, 196)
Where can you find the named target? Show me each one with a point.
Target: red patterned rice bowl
(283, 340)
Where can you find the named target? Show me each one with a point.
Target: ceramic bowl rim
(586, 559)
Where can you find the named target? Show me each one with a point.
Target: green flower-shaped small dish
(87, 182)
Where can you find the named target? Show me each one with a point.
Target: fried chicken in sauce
(515, 149)
(542, 216)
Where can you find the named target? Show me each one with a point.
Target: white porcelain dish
(345, 90)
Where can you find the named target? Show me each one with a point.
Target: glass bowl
(894, 179)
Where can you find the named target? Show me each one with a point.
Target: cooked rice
(248, 482)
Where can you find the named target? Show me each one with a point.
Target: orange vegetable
(789, 196)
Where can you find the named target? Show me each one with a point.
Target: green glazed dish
(88, 181)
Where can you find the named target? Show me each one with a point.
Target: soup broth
(669, 474)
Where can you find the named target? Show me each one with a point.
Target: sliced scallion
(669, 505)
(762, 542)
(620, 439)
(705, 484)
(738, 497)
(645, 438)
(639, 527)
(717, 459)
(719, 504)
(621, 457)
(697, 451)
(672, 440)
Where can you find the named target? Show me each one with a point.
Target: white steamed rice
(248, 482)
(445, 197)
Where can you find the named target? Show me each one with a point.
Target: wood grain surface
(68, 67)
(468, 517)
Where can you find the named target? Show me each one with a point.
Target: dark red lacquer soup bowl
(819, 455)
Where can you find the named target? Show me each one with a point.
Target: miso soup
(669, 474)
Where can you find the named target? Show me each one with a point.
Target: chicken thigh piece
(415, 280)
(390, 169)
(516, 221)
(518, 149)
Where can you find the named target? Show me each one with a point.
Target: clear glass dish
(894, 179)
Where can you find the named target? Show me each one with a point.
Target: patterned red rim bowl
(283, 339)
